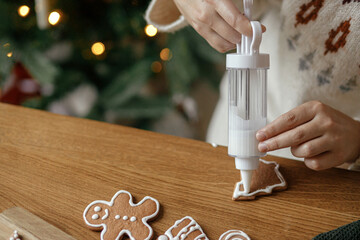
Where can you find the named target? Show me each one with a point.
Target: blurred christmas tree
(98, 59)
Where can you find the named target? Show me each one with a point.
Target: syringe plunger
(247, 72)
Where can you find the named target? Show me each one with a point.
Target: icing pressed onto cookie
(15, 236)
(185, 228)
(234, 235)
(266, 179)
(121, 216)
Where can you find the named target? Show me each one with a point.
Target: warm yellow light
(54, 17)
(9, 54)
(23, 10)
(98, 48)
(150, 30)
(165, 54)
(156, 67)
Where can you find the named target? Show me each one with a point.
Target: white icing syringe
(247, 71)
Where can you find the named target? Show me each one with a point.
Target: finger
(311, 148)
(220, 26)
(210, 17)
(293, 137)
(214, 39)
(323, 161)
(231, 14)
(287, 121)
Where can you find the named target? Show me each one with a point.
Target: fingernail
(262, 147)
(260, 136)
(263, 28)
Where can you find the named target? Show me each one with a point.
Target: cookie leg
(141, 233)
(110, 234)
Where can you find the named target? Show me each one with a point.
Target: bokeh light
(165, 54)
(156, 67)
(23, 10)
(150, 30)
(9, 54)
(54, 17)
(98, 48)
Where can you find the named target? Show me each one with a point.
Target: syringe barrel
(247, 110)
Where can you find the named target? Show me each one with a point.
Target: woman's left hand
(321, 135)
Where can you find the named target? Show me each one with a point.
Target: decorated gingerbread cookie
(234, 235)
(266, 179)
(121, 217)
(185, 228)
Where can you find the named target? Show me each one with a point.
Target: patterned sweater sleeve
(356, 165)
(166, 17)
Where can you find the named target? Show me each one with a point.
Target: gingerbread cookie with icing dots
(185, 228)
(234, 235)
(266, 179)
(121, 217)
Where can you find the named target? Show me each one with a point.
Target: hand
(322, 135)
(218, 21)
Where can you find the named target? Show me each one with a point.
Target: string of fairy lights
(99, 48)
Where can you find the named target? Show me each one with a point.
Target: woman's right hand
(218, 21)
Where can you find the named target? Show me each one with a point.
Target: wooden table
(54, 166)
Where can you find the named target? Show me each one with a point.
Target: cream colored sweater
(315, 55)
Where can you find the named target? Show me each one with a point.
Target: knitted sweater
(314, 50)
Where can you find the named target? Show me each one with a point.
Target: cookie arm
(149, 208)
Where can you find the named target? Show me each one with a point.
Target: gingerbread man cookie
(266, 179)
(185, 228)
(121, 216)
(234, 235)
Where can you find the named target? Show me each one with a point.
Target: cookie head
(96, 213)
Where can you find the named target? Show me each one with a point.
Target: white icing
(132, 204)
(106, 214)
(125, 218)
(133, 219)
(97, 209)
(268, 189)
(15, 236)
(95, 216)
(117, 217)
(163, 237)
(185, 231)
(235, 234)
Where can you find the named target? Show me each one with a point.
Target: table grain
(54, 166)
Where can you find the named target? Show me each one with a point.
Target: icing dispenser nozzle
(247, 73)
(246, 176)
